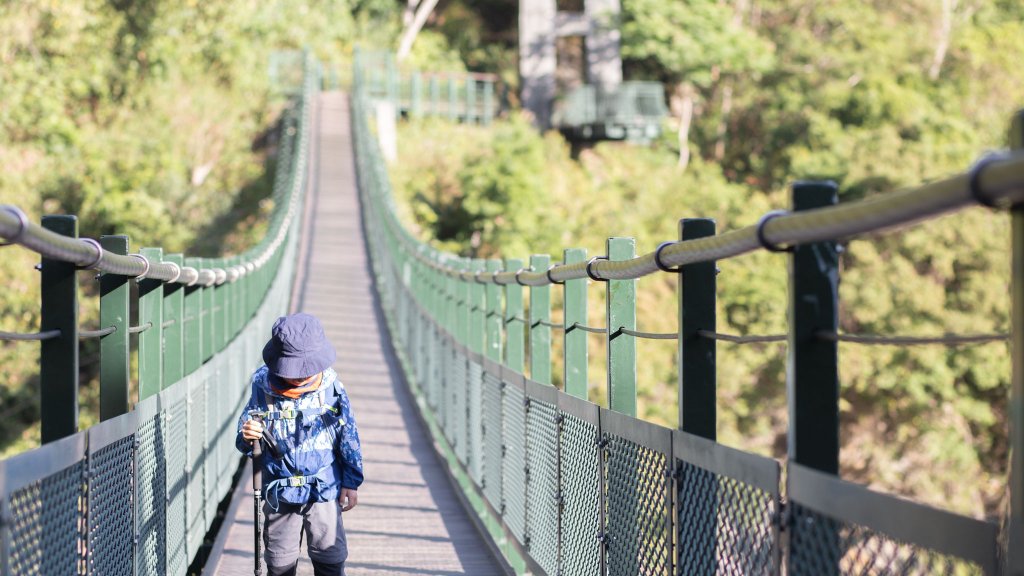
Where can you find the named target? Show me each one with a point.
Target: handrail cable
(752, 339)
(27, 336)
(16, 229)
(945, 339)
(1001, 181)
(647, 335)
(86, 334)
(870, 339)
(591, 329)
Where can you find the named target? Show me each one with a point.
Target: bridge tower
(541, 23)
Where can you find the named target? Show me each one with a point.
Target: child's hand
(348, 498)
(252, 430)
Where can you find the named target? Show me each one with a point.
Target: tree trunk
(723, 122)
(410, 13)
(409, 34)
(942, 42)
(683, 101)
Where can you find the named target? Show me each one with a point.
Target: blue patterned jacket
(317, 436)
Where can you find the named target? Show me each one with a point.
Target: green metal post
(470, 100)
(114, 293)
(621, 314)
(462, 318)
(453, 92)
(435, 96)
(151, 311)
(540, 335)
(417, 94)
(493, 317)
(207, 316)
(193, 321)
(515, 345)
(488, 115)
(574, 310)
(478, 307)
(697, 286)
(221, 321)
(1015, 552)
(174, 333)
(58, 357)
(697, 372)
(813, 386)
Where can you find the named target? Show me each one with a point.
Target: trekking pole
(257, 497)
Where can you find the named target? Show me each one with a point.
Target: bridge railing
(462, 97)
(137, 493)
(567, 487)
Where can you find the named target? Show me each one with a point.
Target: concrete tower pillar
(604, 62)
(537, 58)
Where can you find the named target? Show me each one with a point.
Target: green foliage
(860, 94)
(146, 117)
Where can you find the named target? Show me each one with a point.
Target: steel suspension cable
(1000, 182)
(944, 340)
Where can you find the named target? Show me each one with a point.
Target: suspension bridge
(472, 466)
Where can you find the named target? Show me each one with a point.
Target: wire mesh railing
(138, 492)
(458, 96)
(565, 486)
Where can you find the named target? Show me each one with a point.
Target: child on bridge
(312, 465)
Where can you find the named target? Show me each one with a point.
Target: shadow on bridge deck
(409, 519)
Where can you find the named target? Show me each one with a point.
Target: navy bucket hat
(298, 347)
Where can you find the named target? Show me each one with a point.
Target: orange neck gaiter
(295, 391)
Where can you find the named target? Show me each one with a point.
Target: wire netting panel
(820, 544)
(475, 422)
(542, 484)
(194, 503)
(580, 489)
(111, 521)
(47, 525)
(442, 392)
(422, 348)
(211, 462)
(459, 424)
(150, 504)
(493, 439)
(724, 526)
(433, 358)
(448, 397)
(177, 486)
(514, 468)
(639, 538)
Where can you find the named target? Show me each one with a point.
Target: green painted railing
(564, 486)
(137, 493)
(463, 97)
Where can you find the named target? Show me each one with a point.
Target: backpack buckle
(297, 481)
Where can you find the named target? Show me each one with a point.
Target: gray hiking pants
(325, 538)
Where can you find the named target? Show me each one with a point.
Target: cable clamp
(760, 232)
(661, 265)
(22, 225)
(591, 272)
(99, 253)
(494, 277)
(548, 274)
(177, 272)
(145, 264)
(476, 277)
(518, 272)
(974, 178)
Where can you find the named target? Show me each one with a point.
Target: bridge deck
(409, 520)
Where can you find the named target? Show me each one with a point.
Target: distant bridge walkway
(409, 519)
